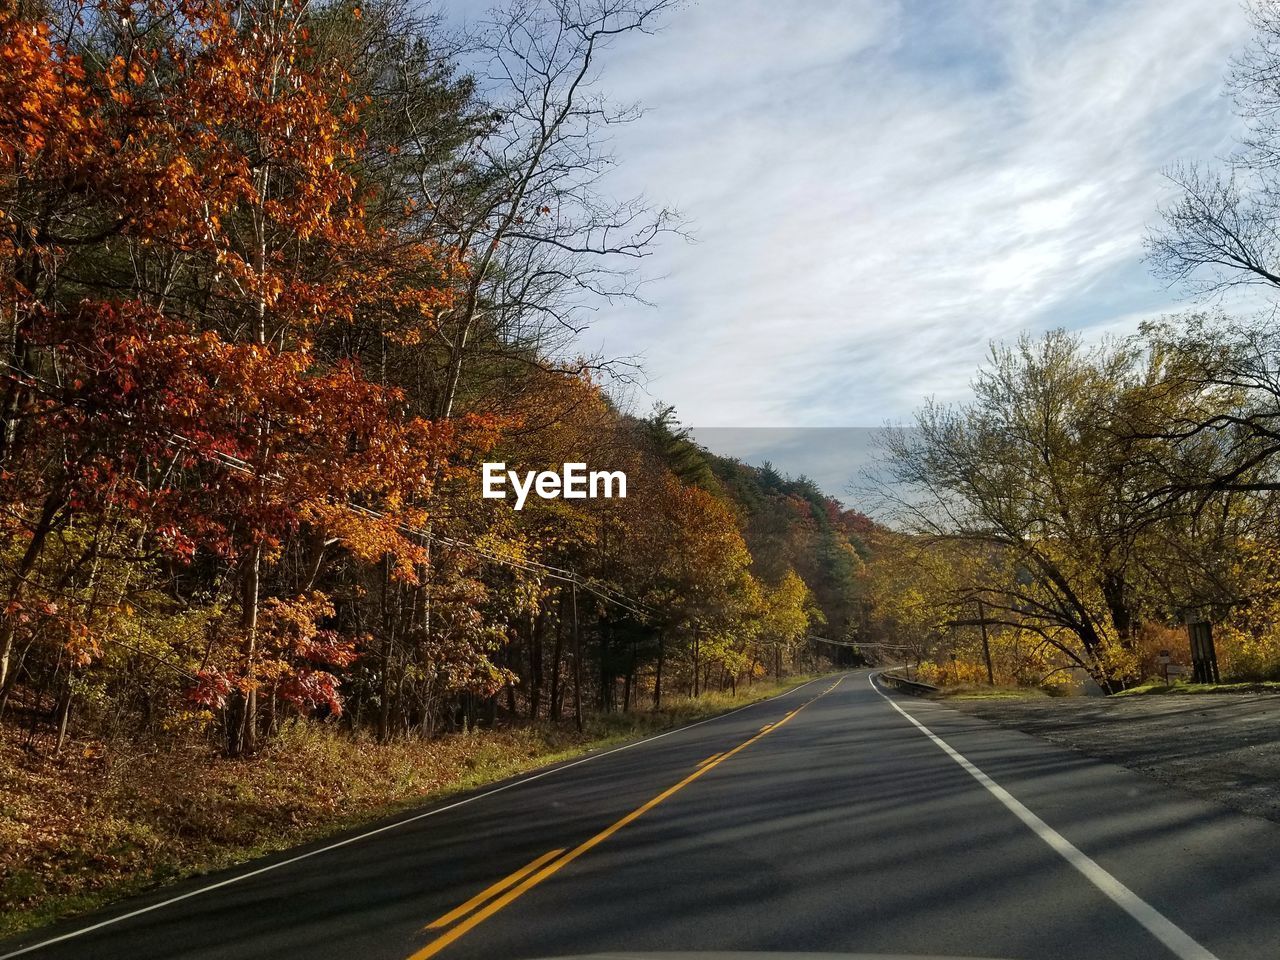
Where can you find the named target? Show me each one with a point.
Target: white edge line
(40, 945)
(1156, 923)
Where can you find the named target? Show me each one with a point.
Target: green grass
(967, 692)
(1159, 688)
(83, 830)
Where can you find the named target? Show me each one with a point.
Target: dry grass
(979, 692)
(1158, 687)
(95, 824)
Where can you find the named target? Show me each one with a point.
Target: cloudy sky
(880, 188)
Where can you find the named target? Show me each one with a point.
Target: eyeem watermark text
(573, 482)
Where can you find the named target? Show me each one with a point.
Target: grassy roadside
(969, 692)
(1150, 688)
(1160, 688)
(96, 824)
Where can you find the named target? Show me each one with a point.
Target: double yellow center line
(485, 904)
(484, 895)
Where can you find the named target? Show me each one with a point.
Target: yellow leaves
(1248, 640)
(44, 105)
(913, 585)
(788, 609)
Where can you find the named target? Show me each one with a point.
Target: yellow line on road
(483, 914)
(708, 760)
(507, 881)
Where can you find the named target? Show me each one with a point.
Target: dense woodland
(277, 277)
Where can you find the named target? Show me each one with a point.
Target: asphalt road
(842, 827)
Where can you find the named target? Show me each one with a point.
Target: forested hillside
(278, 278)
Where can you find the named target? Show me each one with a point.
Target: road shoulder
(1224, 748)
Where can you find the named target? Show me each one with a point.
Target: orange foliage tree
(206, 151)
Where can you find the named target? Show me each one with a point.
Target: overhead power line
(600, 589)
(860, 644)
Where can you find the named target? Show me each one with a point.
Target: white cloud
(879, 189)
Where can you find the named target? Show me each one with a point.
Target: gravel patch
(1225, 747)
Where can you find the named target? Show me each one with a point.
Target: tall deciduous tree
(1037, 467)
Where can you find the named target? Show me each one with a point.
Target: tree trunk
(535, 665)
(657, 676)
(48, 513)
(243, 727)
(388, 643)
(577, 665)
(64, 715)
(556, 656)
(696, 643)
(606, 675)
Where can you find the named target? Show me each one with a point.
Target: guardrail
(908, 686)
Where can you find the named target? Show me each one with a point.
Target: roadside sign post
(1204, 658)
(986, 644)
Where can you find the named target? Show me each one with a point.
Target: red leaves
(211, 689)
(199, 188)
(312, 689)
(292, 655)
(261, 439)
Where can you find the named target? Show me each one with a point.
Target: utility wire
(606, 592)
(859, 644)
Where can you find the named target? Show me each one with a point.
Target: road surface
(836, 818)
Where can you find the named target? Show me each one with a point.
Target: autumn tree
(789, 612)
(277, 276)
(1038, 467)
(196, 401)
